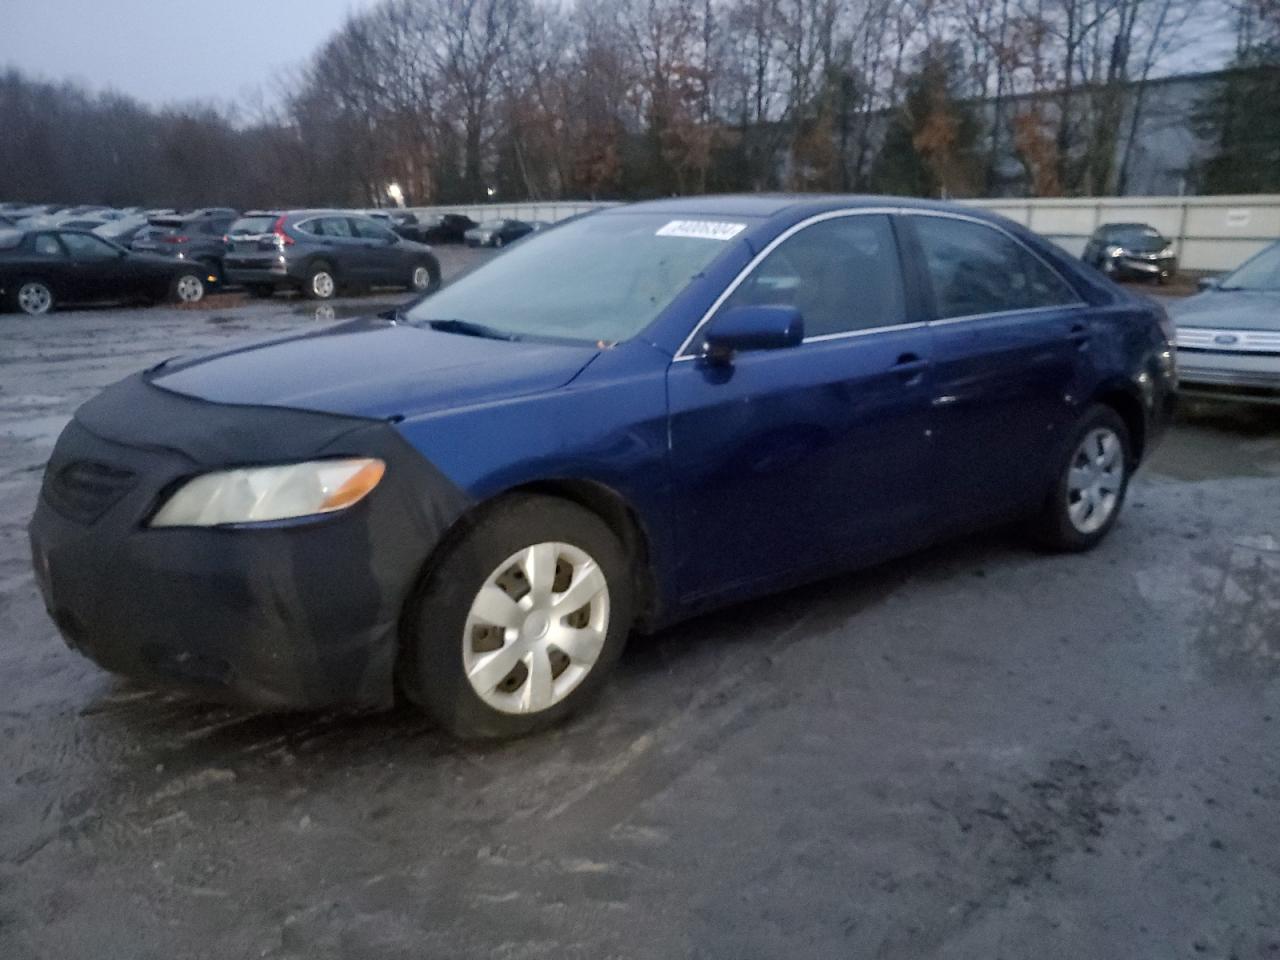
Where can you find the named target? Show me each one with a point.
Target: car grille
(84, 490)
(1229, 341)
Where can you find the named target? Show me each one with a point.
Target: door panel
(797, 461)
(800, 459)
(1003, 390)
(1010, 343)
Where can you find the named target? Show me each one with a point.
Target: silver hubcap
(190, 290)
(536, 628)
(1094, 480)
(322, 284)
(421, 278)
(34, 298)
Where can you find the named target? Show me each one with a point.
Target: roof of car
(771, 204)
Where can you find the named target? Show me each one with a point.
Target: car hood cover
(1229, 310)
(374, 368)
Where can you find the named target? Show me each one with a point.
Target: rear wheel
(1091, 485)
(519, 622)
(33, 297)
(320, 283)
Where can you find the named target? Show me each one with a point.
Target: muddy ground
(980, 751)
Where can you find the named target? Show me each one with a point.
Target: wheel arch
(1126, 403)
(596, 498)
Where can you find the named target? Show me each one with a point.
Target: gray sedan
(1229, 335)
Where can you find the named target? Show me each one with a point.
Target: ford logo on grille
(1226, 338)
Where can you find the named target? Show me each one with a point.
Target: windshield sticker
(702, 229)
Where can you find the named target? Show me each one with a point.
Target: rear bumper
(293, 615)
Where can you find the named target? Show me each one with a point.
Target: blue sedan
(620, 422)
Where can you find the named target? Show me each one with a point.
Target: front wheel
(1091, 485)
(188, 288)
(519, 622)
(425, 277)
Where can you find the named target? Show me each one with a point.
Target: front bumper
(1234, 374)
(298, 614)
(1161, 268)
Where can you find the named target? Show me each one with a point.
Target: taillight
(281, 237)
(172, 239)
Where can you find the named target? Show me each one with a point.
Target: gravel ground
(979, 751)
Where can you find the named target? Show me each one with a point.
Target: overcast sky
(162, 51)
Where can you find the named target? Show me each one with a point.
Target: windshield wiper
(470, 329)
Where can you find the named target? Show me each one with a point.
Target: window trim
(773, 244)
(946, 321)
(904, 213)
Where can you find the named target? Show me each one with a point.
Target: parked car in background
(403, 222)
(122, 231)
(40, 269)
(195, 236)
(1133, 251)
(635, 417)
(497, 233)
(446, 228)
(321, 251)
(1229, 334)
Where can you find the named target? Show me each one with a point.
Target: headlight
(1167, 252)
(1115, 251)
(260, 494)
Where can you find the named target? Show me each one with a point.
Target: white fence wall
(1210, 234)
(550, 210)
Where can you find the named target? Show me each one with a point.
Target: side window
(977, 269)
(47, 245)
(326, 227)
(841, 274)
(371, 230)
(84, 247)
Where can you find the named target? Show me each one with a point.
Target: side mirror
(752, 328)
(1208, 283)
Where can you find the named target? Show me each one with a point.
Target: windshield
(252, 226)
(492, 224)
(1140, 239)
(1260, 273)
(603, 278)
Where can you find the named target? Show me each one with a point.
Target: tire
(425, 277)
(1068, 521)
(320, 284)
(498, 242)
(261, 291)
(34, 297)
(445, 639)
(187, 288)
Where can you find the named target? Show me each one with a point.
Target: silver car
(1229, 334)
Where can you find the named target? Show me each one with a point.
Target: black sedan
(445, 228)
(497, 233)
(1133, 251)
(42, 268)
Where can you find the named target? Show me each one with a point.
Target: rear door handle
(909, 368)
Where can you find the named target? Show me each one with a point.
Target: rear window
(252, 226)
